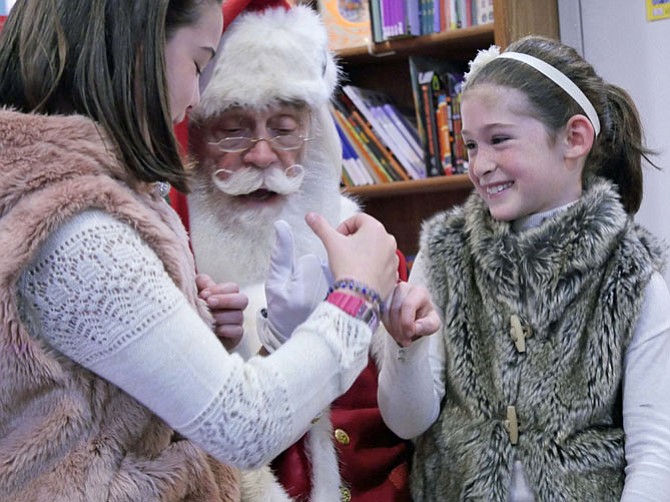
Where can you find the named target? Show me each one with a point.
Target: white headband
(562, 81)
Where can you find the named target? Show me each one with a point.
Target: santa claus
(265, 148)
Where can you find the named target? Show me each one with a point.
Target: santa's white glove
(293, 289)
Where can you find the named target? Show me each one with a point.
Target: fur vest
(575, 283)
(66, 434)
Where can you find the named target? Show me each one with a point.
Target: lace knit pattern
(348, 343)
(233, 427)
(96, 288)
(69, 285)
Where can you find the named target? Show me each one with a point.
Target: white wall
(5, 6)
(627, 50)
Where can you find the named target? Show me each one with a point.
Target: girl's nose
(482, 164)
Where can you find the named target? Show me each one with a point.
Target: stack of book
(379, 144)
(436, 87)
(402, 18)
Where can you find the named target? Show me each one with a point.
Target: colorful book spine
(407, 130)
(360, 147)
(412, 19)
(351, 165)
(433, 165)
(403, 152)
(444, 133)
(484, 13)
(366, 102)
(387, 161)
(376, 21)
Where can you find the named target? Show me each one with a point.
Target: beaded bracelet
(367, 292)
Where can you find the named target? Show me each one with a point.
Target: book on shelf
(445, 138)
(386, 159)
(359, 137)
(359, 146)
(375, 9)
(348, 23)
(436, 86)
(437, 13)
(390, 19)
(412, 18)
(393, 18)
(385, 125)
(428, 111)
(354, 172)
(484, 11)
(454, 83)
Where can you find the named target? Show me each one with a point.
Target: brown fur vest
(65, 434)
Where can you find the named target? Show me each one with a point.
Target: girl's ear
(579, 138)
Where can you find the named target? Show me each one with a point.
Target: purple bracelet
(362, 289)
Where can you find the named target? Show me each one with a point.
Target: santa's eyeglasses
(237, 144)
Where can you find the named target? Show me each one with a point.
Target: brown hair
(103, 59)
(618, 150)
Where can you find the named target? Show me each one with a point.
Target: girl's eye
(469, 145)
(498, 139)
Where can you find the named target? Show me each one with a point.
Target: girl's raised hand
(410, 314)
(361, 249)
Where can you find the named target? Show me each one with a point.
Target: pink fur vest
(65, 434)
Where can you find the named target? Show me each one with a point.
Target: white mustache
(249, 179)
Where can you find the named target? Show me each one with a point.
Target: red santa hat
(268, 53)
(232, 8)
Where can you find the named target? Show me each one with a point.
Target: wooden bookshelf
(435, 43)
(457, 182)
(402, 206)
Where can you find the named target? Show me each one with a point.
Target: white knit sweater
(99, 295)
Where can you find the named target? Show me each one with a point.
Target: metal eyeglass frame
(300, 140)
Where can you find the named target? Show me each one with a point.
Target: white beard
(232, 243)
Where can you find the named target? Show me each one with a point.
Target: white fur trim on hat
(270, 56)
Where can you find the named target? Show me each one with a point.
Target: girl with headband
(556, 318)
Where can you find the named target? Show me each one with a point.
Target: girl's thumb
(321, 228)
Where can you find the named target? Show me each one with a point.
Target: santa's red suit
(267, 56)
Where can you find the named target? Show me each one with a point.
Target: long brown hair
(103, 59)
(619, 149)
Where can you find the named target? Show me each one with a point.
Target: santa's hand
(293, 289)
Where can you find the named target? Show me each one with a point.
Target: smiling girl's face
(516, 167)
